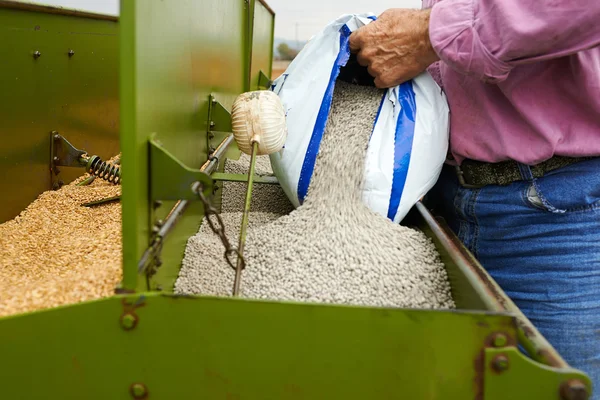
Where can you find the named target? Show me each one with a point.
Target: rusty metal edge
(459, 255)
(530, 338)
(265, 5)
(15, 5)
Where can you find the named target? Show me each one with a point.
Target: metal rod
(87, 181)
(258, 179)
(100, 202)
(213, 160)
(181, 206)
(244, 228)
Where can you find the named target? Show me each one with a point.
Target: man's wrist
(432, 56)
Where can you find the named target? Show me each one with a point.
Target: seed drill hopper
(158, 83)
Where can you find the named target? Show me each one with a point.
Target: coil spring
(103, 170)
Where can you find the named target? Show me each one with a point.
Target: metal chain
(219, 230)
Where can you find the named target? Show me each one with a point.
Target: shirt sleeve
(487, 38)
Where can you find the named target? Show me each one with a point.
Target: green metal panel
(174, 54)
(76, 95)
(186, 347)
(189, 347)
(262, 42)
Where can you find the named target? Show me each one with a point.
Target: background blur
(296, 21)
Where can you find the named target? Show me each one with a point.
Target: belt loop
(525, 171)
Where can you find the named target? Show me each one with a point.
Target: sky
(296, 19)
(307, 17)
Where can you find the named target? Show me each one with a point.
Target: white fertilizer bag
(409, 142)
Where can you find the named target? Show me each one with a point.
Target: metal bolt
(574, 389)
(36, 54)
(55, 159)
(56, 136)
(138, 391)
(500, 363)
(71, 52)
(500, 340)
(128, 321)
(214, 101)
(212, 124)
(160, 222)
(155, 229)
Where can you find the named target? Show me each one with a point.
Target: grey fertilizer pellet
(332, 249)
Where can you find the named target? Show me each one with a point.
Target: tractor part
(64, 154)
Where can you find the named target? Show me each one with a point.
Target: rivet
(500, 340)
(36, 54)
(138, 391)
(55, 159)
(212, 124)
(500, 363)
(128, 321)
(71, 52)
(574, 389)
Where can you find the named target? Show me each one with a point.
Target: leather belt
(476, 174)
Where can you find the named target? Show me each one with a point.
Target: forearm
(487, 38)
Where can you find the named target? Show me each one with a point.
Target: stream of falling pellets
(332, 249)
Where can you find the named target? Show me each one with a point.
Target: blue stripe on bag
(315, 141)
(405, 132)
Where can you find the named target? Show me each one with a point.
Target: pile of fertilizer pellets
(202, 269)
(332, 249)
(265, 198)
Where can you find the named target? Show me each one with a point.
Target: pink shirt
(522, 77)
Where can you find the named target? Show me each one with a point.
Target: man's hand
(396, 47)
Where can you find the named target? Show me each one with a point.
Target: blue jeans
(540, 240)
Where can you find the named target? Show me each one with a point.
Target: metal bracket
(62, 154)
(219, 124)
(509, 374)
(264, 82)
(172, 180)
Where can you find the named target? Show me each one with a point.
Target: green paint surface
(174, 54)
(186, 347)
(75, 95)
(262, 46)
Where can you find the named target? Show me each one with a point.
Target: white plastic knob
(259, 117)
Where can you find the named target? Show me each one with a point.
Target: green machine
(158, 83)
